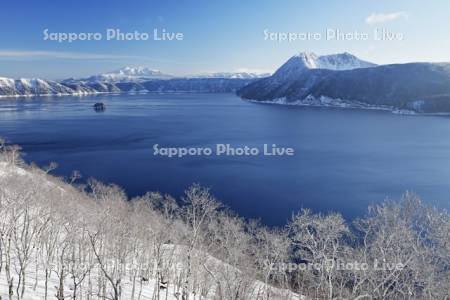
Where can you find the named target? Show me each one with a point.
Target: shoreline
(322, 102)
(341, 104)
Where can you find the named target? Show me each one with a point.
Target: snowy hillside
(92, 242)
(35, 86)
(66, 244)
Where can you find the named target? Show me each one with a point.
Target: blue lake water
(344, 159)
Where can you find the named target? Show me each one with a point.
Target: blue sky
(218, 35)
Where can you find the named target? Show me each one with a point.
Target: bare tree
(319, 241)
(200, 206)
(88, 237)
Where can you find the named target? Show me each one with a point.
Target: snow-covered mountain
(129, 74)
(129, 80)
(308, 61)
(343, 80)
(40, 87)
(142, 74)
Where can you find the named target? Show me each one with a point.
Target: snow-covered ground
(35, 287)
(15, 180)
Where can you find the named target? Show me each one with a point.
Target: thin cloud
(33, 54)
(379, 18)
(62, 55)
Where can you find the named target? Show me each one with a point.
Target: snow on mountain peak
(137, 71)
(342, 61)
(309, 60)
(129, 74)
(339, 61)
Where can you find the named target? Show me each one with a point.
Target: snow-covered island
(67, 241)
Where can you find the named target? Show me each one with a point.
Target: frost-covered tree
(92, 242)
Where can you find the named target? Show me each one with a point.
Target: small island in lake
(99, 106)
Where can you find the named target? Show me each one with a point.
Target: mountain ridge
(39, 87)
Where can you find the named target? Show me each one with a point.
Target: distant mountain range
(343, 80)
(142, 74)
(130, 74)
(128, 79)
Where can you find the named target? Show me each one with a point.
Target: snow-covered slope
(36, 86)
(7, 86)
(338, 62)
(54, 248)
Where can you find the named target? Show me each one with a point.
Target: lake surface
(344, 159)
